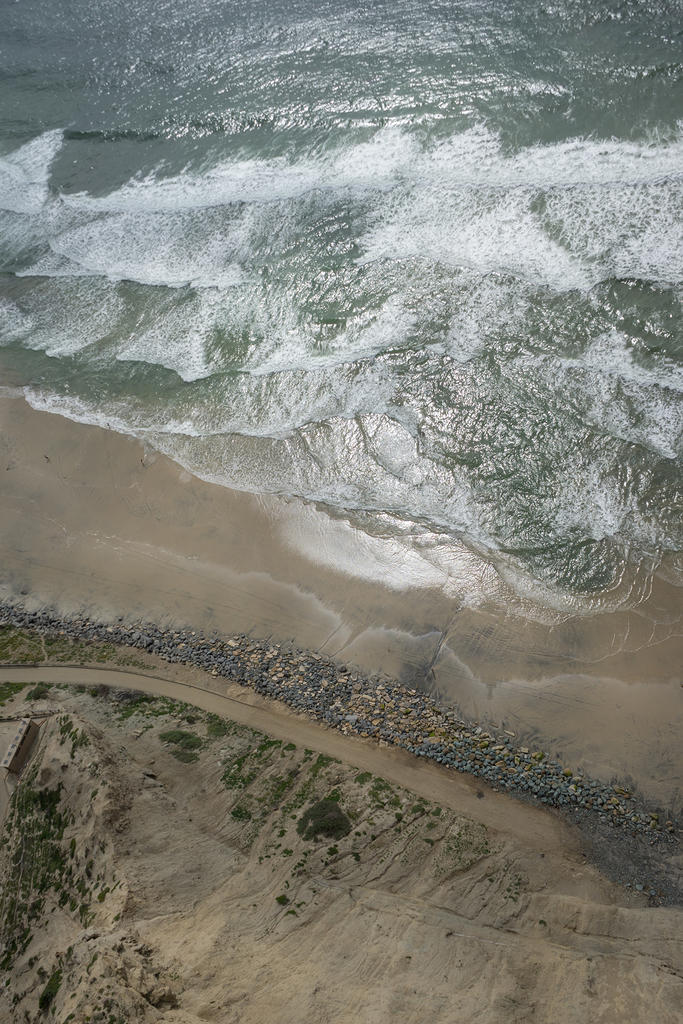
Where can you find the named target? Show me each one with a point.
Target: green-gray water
(420, 262)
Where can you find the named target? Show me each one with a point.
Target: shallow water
(419, 263)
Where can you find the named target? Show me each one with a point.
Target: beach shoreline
(297, 695)
(97, 524)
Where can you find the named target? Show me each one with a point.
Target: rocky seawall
(375, 707)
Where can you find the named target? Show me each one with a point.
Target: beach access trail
(533, 826)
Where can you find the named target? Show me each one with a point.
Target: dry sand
(93, 521)
(482, 911)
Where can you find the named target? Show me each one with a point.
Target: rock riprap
(375, 707)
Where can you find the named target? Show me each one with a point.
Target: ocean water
(418, 262)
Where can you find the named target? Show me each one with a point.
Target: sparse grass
(232, 776)
(140, 702)
(8, 691)
(381, 794)
(18, 646)
(36, 861)
(32, 647)
(69, 732)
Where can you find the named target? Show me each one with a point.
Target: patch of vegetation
(282, 900)
(50, 991)
(307, 790)
(62, 648)
(463, 845)
(513, 889)
(141, 702)
(36, 862)
(39, 692)
(69, 732)
(241, 813)
(381, 794)
(186, 756)
(19, 646)
(322, 761)
(324, 818)
(278, 786)
(265, 745)
(9, 690)
(216, 727)
(363, 778)
(233, 777)
(186, 744)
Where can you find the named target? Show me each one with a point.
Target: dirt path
(535, 827)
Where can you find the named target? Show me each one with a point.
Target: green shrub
(186, 756)
(182, 739)
(282, 900)
(324, 818)
(216, 727)
(241, 813)
(50, 990)
(38, 692)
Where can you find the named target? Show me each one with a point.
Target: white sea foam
(67, 316)
(392, 157)
(14, 324)
(617, 394)
(489, 233)
(25, 173)
(563, 215)
(153, 249)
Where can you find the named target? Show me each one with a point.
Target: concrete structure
(20, 746)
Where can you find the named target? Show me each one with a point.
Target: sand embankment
(184, 887)
(93, 521)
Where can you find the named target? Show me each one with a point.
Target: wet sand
(94, 522)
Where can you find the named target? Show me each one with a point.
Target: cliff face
(155, 866)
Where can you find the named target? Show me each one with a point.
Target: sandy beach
(95, 521)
